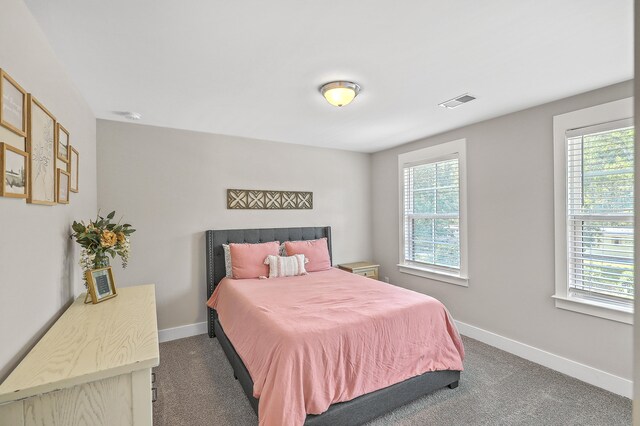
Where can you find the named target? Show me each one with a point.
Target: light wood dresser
(366, 269)
(93, 367)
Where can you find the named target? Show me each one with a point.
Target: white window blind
(600, 212)
(432, 213)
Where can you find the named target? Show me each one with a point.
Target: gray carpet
(196, 387)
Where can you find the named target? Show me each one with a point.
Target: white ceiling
(253, 68)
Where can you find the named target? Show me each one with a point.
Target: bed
(352, 412)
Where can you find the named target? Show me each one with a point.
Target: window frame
(600, 114)
(434, 154)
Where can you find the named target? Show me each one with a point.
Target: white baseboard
(183, 331)
(583, 372)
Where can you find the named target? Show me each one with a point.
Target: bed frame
(350, 413)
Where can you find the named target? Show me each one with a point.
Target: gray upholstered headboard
(215, 254)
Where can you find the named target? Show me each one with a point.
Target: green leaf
(111, 215)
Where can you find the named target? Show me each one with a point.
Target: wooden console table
(93, 367)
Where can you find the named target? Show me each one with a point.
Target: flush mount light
(340, 93)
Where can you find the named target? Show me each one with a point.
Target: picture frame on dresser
(62, 150)
(14, 169)
(63, 187)
(41, 146)
(74, 168)
(100, 285)
(13, 105)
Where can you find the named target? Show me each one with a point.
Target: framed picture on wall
(63, 144)
(73, 169)
(101, 285)
(41, 140)
(64, 182)
(14, 169)
(13, 105)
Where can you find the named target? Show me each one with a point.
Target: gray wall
(171, 185)
(511, 236)
(39, 274)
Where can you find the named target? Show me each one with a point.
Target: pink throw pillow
(317, 251)
(247, 260)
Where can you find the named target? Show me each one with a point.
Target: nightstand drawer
(369, 273)
(366, 269)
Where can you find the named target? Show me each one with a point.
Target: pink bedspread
(331, 336)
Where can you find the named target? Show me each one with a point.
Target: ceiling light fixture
(340, 93)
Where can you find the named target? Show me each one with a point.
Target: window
(594, 211)
(600, 211)
(432, 209)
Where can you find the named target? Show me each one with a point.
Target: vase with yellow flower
(101, 238)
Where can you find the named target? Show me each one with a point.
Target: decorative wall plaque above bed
(268, 200)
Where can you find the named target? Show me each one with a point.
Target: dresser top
(90, 342)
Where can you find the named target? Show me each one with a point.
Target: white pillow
(286, 266)
(227, 260)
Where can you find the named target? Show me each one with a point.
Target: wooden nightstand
(366, 269)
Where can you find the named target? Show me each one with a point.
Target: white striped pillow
(286, 266)
(227, 261)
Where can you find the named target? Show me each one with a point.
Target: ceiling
(253, 68)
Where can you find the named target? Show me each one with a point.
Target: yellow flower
(108, 239)
(121, 237)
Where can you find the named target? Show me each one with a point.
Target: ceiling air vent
(457, 101)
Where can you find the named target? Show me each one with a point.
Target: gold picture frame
(74, 169)
(63, 187)
(14, 170)
(13, 110)
(62, 146)
(41, 146)
(101, 285)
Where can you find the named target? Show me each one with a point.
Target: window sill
(596, 309)
(434, 274)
